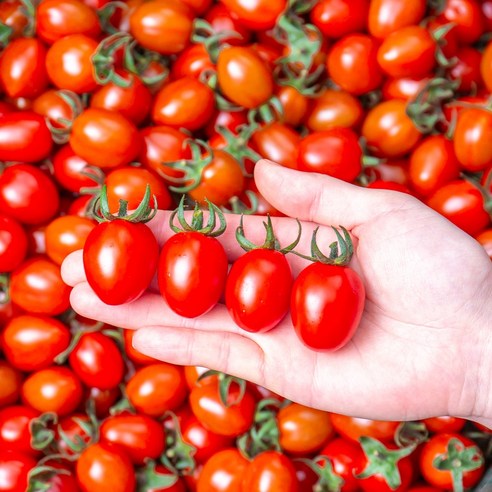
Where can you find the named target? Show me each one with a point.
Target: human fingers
(72, 269)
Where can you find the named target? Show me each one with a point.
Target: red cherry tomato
(11, 384)
(387, 16)
(14, 470)
(68, 169)
(353, 428)
(15, 432)
(13, 244)
(258, 15)
(444, 424)
(467, 17)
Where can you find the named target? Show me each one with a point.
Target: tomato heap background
(391, 94)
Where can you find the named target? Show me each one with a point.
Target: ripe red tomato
(157, 388)
(232, 420)
(31, 343)
(52, 106)
(192, 273)
(467, 18)
(294, 105)
(353, 428)
(97, 361)
(69, 63)
(55, 389)
(185, 103)
(15, 432)
(23, 68)
(486, 66)
(24, 137)
(104, 466)
(192, 62)
(404, 88)
(485, 239)
(445, 424)
(104, 138)
(352, 64)
(243, 77)
(14, 470)
(223, 472)
(223, 21)
(467, 69)
(11, 384)
(433, 163)
(68, 168)
(13, 16)
(334, 152)
(13, 243)
(77, 429)
(164, 26)
(461, 203)
(258, 15)
(438, 447)
(258, 289)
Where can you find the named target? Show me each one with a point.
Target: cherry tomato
(433, 163)
(14, 470)
(334, 152)
(13, 243)
(32, 342)
(387, 16)
(68, 169)
(486, 66)
(52, 106)
(227, 420)
(140, 436)
(223, 21)
(23, 68)
(352, 64)
(461, 203)
(467, 69)
(24, 137)
(55, 389)
(73, 429)
(437, 447)
(164, 26)
(258, 15)
(69, 64)
(404, 88)
(11, 384)
(157, 388)
(243, 77)
(192, 273)
(185, 103)
(485, 239)
(258, 289)
(132, 353)
(13, 16)
(104, 138)
(192, 62)
(104, 466)
(97, 361)
(15, 432)
(467, 17)
(388, 130)
(353, 428)
(294, 105)
(444, 424)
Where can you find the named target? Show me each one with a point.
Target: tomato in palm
(13, 244)
(23, 68)
(97, 361)
(11, 384)
(55, 389)
(433, 163)
(164, 26)
(230, 420)
(68, 169)
(352, 64)
(223, 472)
(15, 432)
(272, 471)
(14, 470)
(473, 139)
(461, 203)
(258, 15)
(105, 138)
(353, 428)
(388, 130)
(185, 103)
(140, 436)
(337, 18)
(243, 77)
(486, 66)
(485, 239)
(387, 16)
(467, 18)
(24, 137)
(104, 466)
(69, 64)
(465, 467)
(58, 18)
(334, 152)
(445, 424)
(157, 388)
(32, 342)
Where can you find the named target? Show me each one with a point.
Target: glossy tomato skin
(404, 88)
(258, 290)
(104, 466)
(352, 64)
(231, 420)
(467, 69)
(13, 244)
(294, 105)
(32, 342)
(71, 429)
(97, 361)
(337, 18)
(258, 15)
(243, 77)
(24, 137)
(157, 388)
(387, 16)
(223, 472)
(461, 203)
(120, 259)
(164, 26)
(51, 105)
(105, 138)
(37, 287)
(23, 68)
(352, 428)
(192, 62)
(486, 66)
(11, 15)
(68, 168)
(11, 384)
(55, 389)
(433, 163)
(192, 273)
(467, 17)
(437, 446)
(14, 469)
(334, 152)
(445, 424)
(332, 321)
(15, 433)
(473, 139)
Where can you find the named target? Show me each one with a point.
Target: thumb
(320, 198)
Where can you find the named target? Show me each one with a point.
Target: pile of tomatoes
(184, 96)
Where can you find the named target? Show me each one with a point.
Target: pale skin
(423, 347)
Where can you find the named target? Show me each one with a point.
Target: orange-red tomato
(13, 15)
(486, 67)
(466, 16)
(11, 384)
(404, 88)
(387, 16)
(50, 105)
(485, 239)
(353, 427)
(132, 353)
(224, 471)
(294, 105)
(192, 62)
(258, 14)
